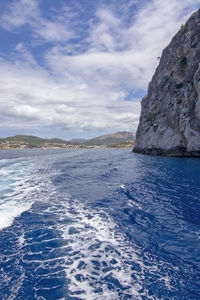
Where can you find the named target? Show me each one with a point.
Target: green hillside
(30, 140)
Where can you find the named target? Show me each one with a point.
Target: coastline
(68, 147)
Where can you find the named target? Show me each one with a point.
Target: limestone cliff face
(170, 116)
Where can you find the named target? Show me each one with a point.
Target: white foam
(21, 240)
(98, 245)
(122, 186)
(16, 285)
(18, 188)
(133, 203)
(9, 211)
(98, 240)
(4, 172)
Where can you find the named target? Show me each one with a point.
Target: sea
(98, 224)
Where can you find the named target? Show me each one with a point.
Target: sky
(79, 68)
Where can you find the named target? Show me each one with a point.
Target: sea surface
(98, 224)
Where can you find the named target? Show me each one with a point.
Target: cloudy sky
(78, 68)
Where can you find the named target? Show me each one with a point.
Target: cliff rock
(170, 115)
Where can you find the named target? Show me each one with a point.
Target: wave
(9, 211)
(17, 187)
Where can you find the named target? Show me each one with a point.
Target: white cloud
(28, 12)
(25, 54)
(119, 56)
(34, 96)
(19, 13)
(86, 91)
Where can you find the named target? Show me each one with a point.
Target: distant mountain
(79, 141)
(28, 141)
(112, 139)
(31, 141)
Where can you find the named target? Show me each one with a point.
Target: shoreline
(67, 148)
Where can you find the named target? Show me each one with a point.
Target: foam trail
(17, 182)
(9, 211)
(98, 256)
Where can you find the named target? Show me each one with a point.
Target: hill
(119, 139)
(112, 139)
(29, 141)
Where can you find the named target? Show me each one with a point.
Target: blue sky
(78, 68)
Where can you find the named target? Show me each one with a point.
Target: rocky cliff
(170, 116)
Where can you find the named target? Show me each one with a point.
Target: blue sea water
(98, 224)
